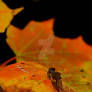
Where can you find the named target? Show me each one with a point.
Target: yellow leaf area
(25, 77)
(6, 15)
(72, 57)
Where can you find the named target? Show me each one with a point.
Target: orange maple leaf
(38, 43)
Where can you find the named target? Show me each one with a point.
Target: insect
(56, 79)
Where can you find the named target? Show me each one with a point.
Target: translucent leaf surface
(72, 57)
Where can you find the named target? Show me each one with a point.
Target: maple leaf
(38, 43)
(25, 76)
(6, 15)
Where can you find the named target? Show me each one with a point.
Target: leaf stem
(7, 61)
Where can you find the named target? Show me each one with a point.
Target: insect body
(55, 78)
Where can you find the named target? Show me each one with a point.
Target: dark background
(72, 19)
